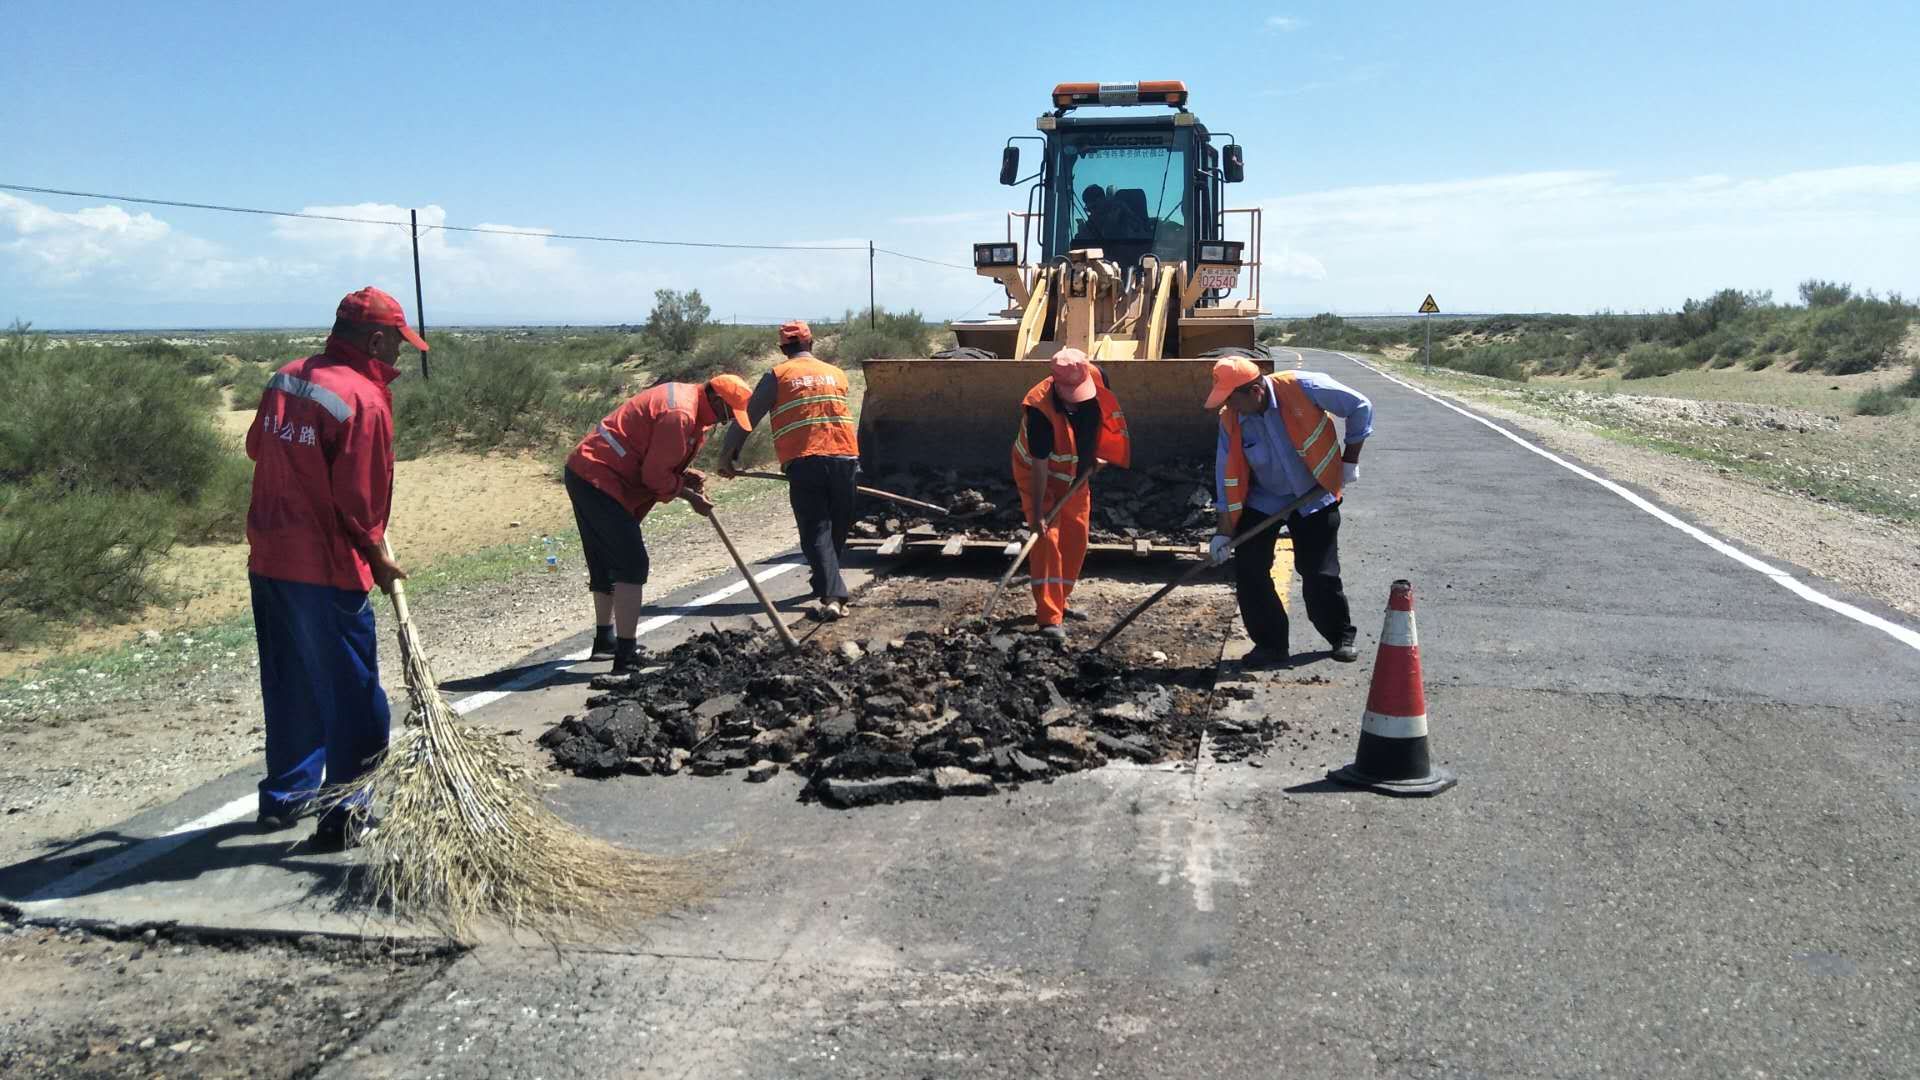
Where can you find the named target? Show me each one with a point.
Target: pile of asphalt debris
(958, 712)
(1171, 503)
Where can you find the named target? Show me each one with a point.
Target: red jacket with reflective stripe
(639, 454)
(322, 450)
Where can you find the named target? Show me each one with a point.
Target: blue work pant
(326, 712)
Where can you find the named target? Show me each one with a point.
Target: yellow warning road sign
(1428, 307)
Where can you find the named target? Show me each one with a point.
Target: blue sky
(1503, 157)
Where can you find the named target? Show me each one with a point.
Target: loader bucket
(964, 413)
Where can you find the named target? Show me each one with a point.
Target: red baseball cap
(370, 305)
(796, 330)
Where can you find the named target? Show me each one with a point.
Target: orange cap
(735, 392)
(1073, 376)
(796, 330)
(1229, 374)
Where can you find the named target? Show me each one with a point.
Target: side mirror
(1233, 168)
(1009, 165)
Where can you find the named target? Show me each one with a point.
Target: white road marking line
(1902, 634)
(83, 881)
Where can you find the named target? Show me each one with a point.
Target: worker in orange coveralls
(1068, 421)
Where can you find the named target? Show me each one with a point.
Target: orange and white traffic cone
(1392, 758)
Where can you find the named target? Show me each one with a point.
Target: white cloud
(1576, 240)
(1283, 24)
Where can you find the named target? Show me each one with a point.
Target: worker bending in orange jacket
(633, 460)
(1067, 421)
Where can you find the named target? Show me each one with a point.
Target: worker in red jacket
(322, 447)
(638, 457)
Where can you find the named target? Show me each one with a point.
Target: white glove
(1218, 549)
(1349, 472)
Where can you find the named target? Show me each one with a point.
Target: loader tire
(965, 352)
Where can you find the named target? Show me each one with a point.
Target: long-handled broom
(465, 837)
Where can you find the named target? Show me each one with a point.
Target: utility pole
(873, 313)
(419, 307)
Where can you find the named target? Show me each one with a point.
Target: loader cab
(1130, 185)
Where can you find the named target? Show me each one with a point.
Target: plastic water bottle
(553, 555)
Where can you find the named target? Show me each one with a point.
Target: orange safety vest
(1115, 444)
(810, 417)
(1308, 426)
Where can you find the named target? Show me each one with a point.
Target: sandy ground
(63, 773)
(444, 504)
(1868, 555)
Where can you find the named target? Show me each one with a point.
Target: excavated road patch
(1169, 504)
(881, 708)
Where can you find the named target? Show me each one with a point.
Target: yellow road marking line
(1282, 572)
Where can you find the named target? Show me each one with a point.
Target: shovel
(779, 625)
(873, 492)
(986, 610)
(1266, 523)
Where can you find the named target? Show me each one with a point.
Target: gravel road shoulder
(75, 760)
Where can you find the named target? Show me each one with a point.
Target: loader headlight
(996, 254)
(1224, 251)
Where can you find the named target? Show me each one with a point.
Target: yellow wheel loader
(1124, 251)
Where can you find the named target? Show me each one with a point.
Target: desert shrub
(864, 335)
(675, 322)
(93, 418)
(1497, 361)
(1605, 333)
(1647, 360)
(1858, 335)
(1760, 361)
(736, 349)
(68, 554)
(1879, 401)
(483, 392)
(219, 515)
(1815, 292)
(1911, 387)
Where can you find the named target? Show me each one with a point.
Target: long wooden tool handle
(754, 474)
(398, 590)
(1266, 523)
(993, 597)
(779, 626)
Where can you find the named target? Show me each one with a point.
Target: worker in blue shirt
(1278, 443)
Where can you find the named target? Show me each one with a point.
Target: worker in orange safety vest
(1068, 421)
(804, 400)
(1278, 443)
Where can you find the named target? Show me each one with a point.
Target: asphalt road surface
(1683, 844)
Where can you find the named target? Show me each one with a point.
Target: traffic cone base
(1392, 758)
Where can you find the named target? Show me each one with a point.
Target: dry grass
(465, 840)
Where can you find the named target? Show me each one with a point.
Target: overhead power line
(917, 258)
(488, 229)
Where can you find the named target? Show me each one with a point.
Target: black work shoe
(336, 835)
(1077, 615)
(1056, 632)
(1261, 658)
(603, 644)
(1345, 652)
(626, 656)
(276, 822)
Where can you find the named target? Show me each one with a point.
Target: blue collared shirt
(1279, 474)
